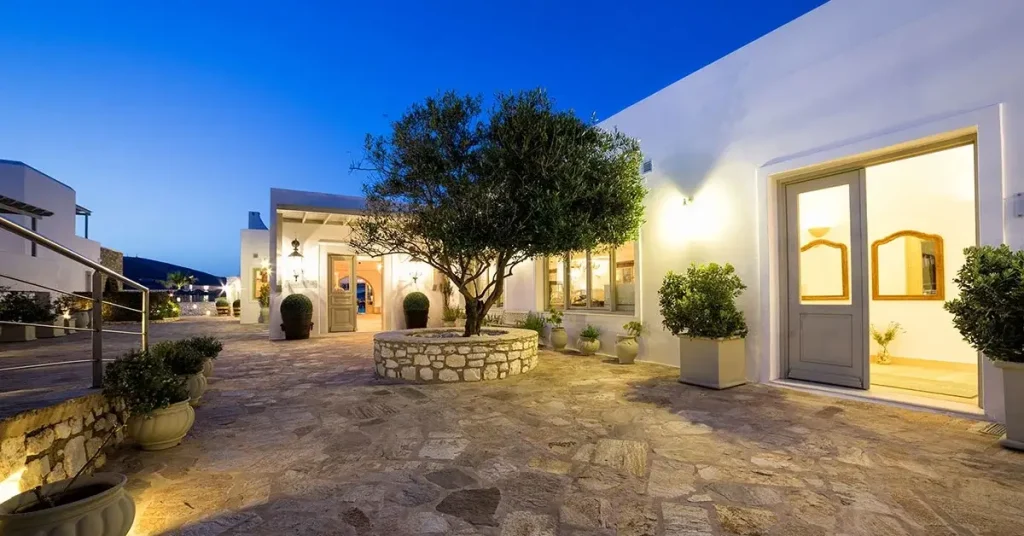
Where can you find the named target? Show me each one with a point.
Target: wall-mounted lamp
(687, 201)
(415, 277)
(295, 259)
(818, 232)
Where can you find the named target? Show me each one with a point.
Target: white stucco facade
(24, 183)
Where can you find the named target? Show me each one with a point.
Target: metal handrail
(96, 311)
(66, 293)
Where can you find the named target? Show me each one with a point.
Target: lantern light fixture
(295, 258)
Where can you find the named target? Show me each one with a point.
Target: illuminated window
(602, 279)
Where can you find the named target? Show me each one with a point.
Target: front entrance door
(341, 294)
(823, 281)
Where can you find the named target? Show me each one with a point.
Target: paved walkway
(298, 438)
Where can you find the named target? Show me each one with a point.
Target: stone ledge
(415, 356)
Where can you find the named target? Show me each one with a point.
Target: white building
(868, 142)
(37, 201)
(255, 262)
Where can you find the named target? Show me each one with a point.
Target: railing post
(145, 320)
(97, 329)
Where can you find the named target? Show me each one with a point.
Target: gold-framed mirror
(824, 271)
(908, 265)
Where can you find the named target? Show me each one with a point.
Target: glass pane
(578, 279)
(600, 276)
(625, 276)
(556, 282)
(907, 266)
(340, 273)
(824, 222)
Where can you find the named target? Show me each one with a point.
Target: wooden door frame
(330, 289)
(782, 227)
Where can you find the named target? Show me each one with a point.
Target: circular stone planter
(109, 511)
(432, 355)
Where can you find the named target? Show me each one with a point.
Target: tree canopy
(464, 191)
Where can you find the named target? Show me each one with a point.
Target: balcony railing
(96, 310)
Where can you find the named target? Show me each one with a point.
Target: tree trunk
(474, 317)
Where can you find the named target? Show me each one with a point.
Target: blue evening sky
(173, 119)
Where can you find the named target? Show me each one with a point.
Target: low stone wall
(421, 355)
(53, 443)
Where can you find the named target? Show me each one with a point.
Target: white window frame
(610, 300)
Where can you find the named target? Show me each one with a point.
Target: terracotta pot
(163, 428)
(626, 348)
(1013, 395)
(559, 338)
(588, 346)
(110, 511)
(208, 367)
(196, 385)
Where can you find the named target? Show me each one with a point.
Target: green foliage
(534, 321)
(989, 312)
(16, 306)
(236, 304)
(590, 333)
(222, 302)
(885, 337)
(161, 305)
(702, 303)
(416, 301)
(464, 190)
(634, 328)
(450, 314)
(264, 295)
(209, 347)
(492, 320)
(178, 280)
(143, 383)
(181, 357)
(296, 316)
(555, 317)
(67, 304)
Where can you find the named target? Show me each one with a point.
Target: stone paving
(299, 438)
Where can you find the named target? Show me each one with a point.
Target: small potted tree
(884, 338)
(185, 361)
(296, 316)
(989, 313)
(558, 337)
(209, 348)
(223, 309)
(449, 315)
(699, 307)
(626, 346)
(155, 399)
(417, 310)
(236, 308)
(534, 322)
(20, 307)
(590, 340)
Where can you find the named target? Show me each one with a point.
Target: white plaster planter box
(50, 332)
(1013, 395)
(9, 333)
(714, 363)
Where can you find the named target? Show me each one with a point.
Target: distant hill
(152, 273)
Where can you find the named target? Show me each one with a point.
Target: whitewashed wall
(255, 248)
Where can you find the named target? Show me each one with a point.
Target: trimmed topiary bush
(989, 312)
(296, 316)
(208, 347)
(417, 310)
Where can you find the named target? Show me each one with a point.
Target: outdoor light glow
(11, 485)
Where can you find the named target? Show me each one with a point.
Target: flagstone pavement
(299, 438)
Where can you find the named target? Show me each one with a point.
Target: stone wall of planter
(53, 443)
(420, 355)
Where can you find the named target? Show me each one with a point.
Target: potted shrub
(449, 315)
(18, 307)
(534, 322)
(155, 399)
(626, 346)
(989, 313)
(590, 340)
(209, 348)
(417, 310)
(264, 300)
(223, 309)
(884, 339)
(558, 337)
(236, 308)
(700, 308)
(296, 316)
(460, 317)
(95, 505)
(185, 361)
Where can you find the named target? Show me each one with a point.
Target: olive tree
(474, 194)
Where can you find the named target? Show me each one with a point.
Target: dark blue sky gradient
(173, 119)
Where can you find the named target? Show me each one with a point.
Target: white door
(341, 293)
(824, 281)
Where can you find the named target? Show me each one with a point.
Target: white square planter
(49, 332)
(10, 333)
(714, 363)
(1013, 395)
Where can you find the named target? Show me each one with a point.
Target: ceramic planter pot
(236, 311)
(626, 348)
(559, 338)
(196, 385)
(1013, 396)
(163, 428)
(588, 346)
(714, 363)
(208, 367)
(10, 333)
(264, 315)
(81, 319)
(102, 508)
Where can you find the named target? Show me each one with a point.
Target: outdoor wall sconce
(295, 259)
(818, 232)
(687, 201)
(415, 277)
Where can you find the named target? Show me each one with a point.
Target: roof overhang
(9, 205)
(82, 211)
